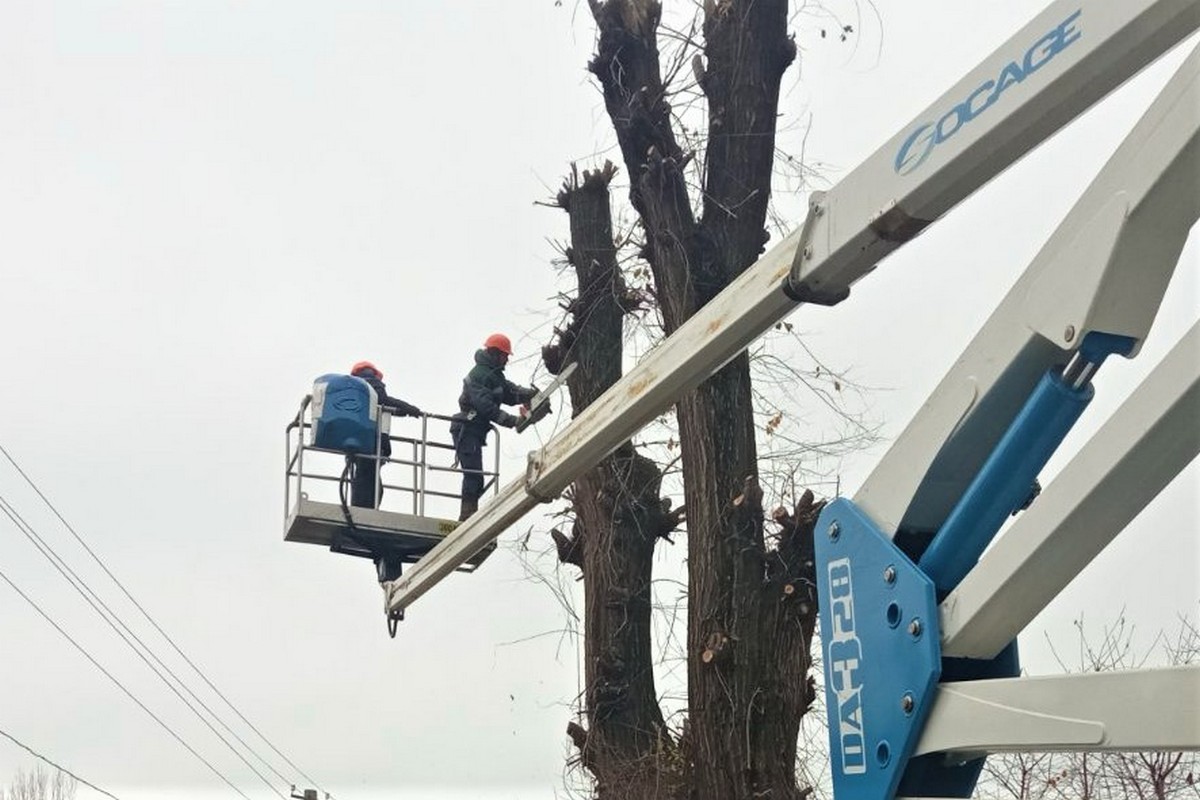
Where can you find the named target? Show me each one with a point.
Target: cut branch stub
(577, 733)
(569, 550)
(797, 525)
(593, 180)
(751, 497)
(579, 736)
(716, 648)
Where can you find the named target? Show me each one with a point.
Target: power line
(108, 615)
(93, 599)
(38, 755)
(158, 628)
(119, 685)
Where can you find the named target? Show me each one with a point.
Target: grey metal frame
(296, 447)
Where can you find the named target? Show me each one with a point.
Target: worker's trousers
(364, 483)
(470, 460)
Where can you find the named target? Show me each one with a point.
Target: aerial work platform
(416, 498)
(407, 535)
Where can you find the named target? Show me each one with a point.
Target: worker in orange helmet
(485, 390)
(365, 482)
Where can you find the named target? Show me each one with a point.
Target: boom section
(1070, 56)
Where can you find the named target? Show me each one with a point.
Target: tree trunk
(759, 690)
(619, 517)
(748, 645)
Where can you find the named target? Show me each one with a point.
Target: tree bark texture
(748, 646)
(618, 518)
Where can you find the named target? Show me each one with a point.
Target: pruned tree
(751, 605)
(618, 517)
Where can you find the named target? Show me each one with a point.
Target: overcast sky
(204, 205)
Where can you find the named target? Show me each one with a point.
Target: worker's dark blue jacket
(485, 389)
(395, 405)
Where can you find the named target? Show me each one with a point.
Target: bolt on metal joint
(914, 627)
(835, 531)
(889, 575)
(907, 703)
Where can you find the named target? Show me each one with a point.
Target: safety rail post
(416, 476)
(425, 457)
(496, 463)
(424, 460)
(305, 404)
(378, 488)
(287, 472)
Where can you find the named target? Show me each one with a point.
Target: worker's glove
(530, 417)
(541, 412)
(415, 412)
(507, 420)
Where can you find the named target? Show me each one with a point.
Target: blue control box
(345, 414)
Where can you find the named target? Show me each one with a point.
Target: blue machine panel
(345, 414)
(879, 623)
(879, 634)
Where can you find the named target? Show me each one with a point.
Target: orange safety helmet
(499, 341)
(361, 365)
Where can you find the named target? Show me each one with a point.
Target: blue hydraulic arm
(879, 609)
(1005, 482)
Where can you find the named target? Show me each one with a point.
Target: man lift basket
(341, 421)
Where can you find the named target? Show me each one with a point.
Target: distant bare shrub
(40, 784)
(1105, 776)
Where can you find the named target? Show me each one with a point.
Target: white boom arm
(1151, 709)
(1105, 268)
(1069, 57)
